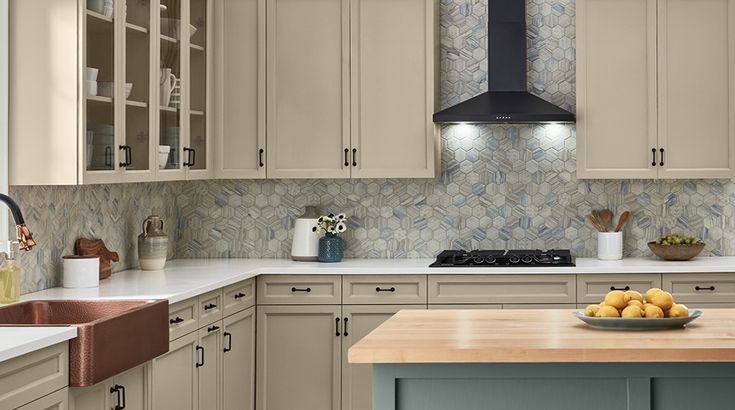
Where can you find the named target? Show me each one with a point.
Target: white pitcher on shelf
(168, 83)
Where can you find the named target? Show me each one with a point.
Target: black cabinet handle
(662, 157)
(128, 155)
(627, 288)
(347, 157)
(336, 326)
(240, 295)
(175, 321)
(260, 157)
(379, 289)
(108, 156)
(710, 288)
(120, 390)
(354, 157)
(345, 327)
(228, 346)
(210, 306)
(212, 328)
(192, 155)
(200, 348)
(307, 290)
(124, 404)
(653, 152)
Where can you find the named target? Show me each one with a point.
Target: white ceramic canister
(81, 271)
(609, 246)
(305, 245)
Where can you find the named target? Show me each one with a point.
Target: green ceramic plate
(617, 323)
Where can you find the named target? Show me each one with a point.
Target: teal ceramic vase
(331, 248)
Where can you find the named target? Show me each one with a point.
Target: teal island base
(554, 386)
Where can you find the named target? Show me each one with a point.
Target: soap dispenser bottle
(9, 276)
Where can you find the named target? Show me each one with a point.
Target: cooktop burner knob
(490, 260)
(527, 259)
(514, 259)
(478, 259)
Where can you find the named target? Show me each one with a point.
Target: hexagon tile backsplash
(500, 186)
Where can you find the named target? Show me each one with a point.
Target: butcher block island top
(538, 336)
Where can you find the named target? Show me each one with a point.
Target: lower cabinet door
(357, 379)
(238, 361)
(132, 386)
(174, 376)
(209, 365)
(299, 357)
(58, 400)
(95, 397)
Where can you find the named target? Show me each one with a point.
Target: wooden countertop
(538, 336)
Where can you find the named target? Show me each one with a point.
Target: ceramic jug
(167, 81)
(152, 244)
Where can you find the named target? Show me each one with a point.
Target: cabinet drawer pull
(228, 337)
(240, 295)
(294, 290)
(200, 348)
(210, 306)
(662, 157)
(627, 288)
(379, 289)
(175, 321)
(710, 288)
(653, 153)
(345, 327)
(347, 157)
(336, 326)
(260, 157)
(212, 328)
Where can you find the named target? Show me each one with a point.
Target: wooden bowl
(676, 252)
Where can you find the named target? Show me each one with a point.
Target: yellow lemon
(677, 310)
(634, 295)
(632, 311)
(591, 310)
(607, 311)
(650, 293)
(653, 311)
(662, 299)
(617, 298)
(635, 302)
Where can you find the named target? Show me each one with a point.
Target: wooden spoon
(598, 218)
(606, 217)
(594, 222)
(623, 219)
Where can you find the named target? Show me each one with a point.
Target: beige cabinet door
(696, 56)
(357, 379)
(308, 91)
(238, 361)
(133, 387)
(240, 89)
(393, 84)
(299, 357)
(175, 385)
(95, 397)
(616, 89)
(209, 367)
(58, 400)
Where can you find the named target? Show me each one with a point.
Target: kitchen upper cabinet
(240, 89)
(393, 74)
(299, 357)
(655, 89)
(696, 85)
(308, 79)
(616, 88)
(175, 385)
(238, 361)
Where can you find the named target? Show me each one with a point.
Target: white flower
(330, 229)
(341, 217)
(341, 227)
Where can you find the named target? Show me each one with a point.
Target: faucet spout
(25, 238)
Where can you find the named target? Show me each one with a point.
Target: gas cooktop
(553, 257)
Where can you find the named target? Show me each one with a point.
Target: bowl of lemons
(675, 247)
(631, 310)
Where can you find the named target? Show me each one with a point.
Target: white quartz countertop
(17, 341)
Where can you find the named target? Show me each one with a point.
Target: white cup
(81, 271)
(91, 88)
(90, 73)
(609, 246)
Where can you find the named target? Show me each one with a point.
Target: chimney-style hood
(508, 99)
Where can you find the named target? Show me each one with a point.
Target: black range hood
(508, 99)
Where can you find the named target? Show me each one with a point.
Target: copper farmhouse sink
(112, 335)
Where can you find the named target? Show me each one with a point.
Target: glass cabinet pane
(198, 86)
(99, 77)
(137, 87)
(170, 85)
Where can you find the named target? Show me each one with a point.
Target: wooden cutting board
(96, 247)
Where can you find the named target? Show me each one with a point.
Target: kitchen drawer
(210, 307)
(238, 297)
(593, 288)
(700, 287)
(299, 289)
(465, 289)
(182, 318)
(383, 289)
(33, 375)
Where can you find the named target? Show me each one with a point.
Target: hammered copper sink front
(112, 335)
